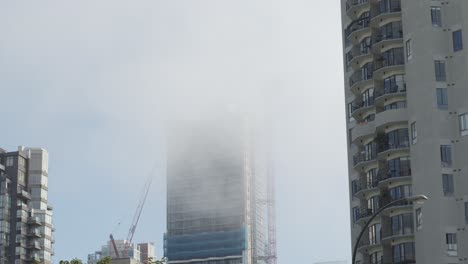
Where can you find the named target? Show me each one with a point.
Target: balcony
(397, 89)
(357, 56)
(33, 245)
(362, 158)
(34, 221)
(361, 79)
(390, 148)
(391, 117)
(385, 65)
(359, 107)
(357, 29)
(364, 213)
(366, 187)
(355, 7)
(386, 10)
(362, 130)
(381, 41)
(385, 175)
(34, 233)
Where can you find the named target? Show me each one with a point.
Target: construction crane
(136, 218)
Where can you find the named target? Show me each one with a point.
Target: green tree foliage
(106, 260)
(73, 261)
(152, 261)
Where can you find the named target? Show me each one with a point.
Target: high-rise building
(406, 87)
(216, 194)
(25, 214)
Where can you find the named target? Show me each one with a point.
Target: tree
(106, 260)
(161, 261)
(73, 261)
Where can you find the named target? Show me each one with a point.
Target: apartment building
(406, 87)
(216, 194)
(25, 214)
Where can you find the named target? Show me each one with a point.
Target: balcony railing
(393, 61)
(352, 3)
(359, 76)
(385, 174)
(386, 146)
(383, 37)
(398, 87)
(356, 25)
(356, 105)
(364, 213)
(363, 157)
(387, 7)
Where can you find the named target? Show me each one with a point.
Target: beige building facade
(406, 88)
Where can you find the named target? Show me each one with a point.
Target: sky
(95, 82)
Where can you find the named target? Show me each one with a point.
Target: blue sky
(94, 82)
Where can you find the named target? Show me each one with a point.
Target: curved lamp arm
(408, 199)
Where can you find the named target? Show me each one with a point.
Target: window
(392, 30)
(446, 155)
(409, 50)
(419, 219)
(368, 97)
(375, 232)
(354, 186)
(452, 247)
(399, 167)
(365, 45)
(466, 213)
(402, 224)
(395, 105)
(400, 192)
(403, 253)
(397, 139)
(447, 184)
(393, 57)
(395, 84)
(464, 124)
(440, 75)
(9, 161)
(457, 38)
(414, 133)
(442, 98)
(376, 257)
(436, 16)
(373, 204)
(355, 214)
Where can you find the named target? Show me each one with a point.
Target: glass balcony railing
(393, 88)
(356, 105)
(359, 76)
(395, 60)
(363, 157)
(385, 174)
(387, 7)
(382, 37)
(357, 25)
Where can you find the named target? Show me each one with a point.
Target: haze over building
(216, 193)
(407, 101)
(25, 213)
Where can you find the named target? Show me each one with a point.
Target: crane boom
(114, 245)
(137, 215)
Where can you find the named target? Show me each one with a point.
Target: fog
(97, 82)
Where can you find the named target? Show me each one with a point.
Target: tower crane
(136, 218)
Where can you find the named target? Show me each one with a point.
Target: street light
(413, 199)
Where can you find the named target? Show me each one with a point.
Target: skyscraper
(407, 120)
(216, 194)
(25, 214)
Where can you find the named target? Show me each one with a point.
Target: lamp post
(416, 199)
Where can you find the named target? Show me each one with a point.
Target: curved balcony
(360, 80)
(387, 9)
(394, 64)
(355, 7)
(398, 90)
(363, 130)
(392, 238)
(386, 177)
(358, 29)
(363, 159)
(386, 150)
(358, 57)
(382, 41)
(364, 215)
(360, 107)
(365, 188)
(391, 117)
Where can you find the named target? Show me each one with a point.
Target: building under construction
(220, 206)
(134, 253)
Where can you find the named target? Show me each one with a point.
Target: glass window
(414, 133)
(376, 257)
(400, 192)
(399, 167)
(402, 224)
(451, 239)
(442, 98)
(457, 38)
(409, 50)
(375, 232)
(395, 105)
(463, 124)
(466, 213)
(447, 184)
(9, 161)
(436, 16)
(440, 72)
(355, 214)
(446, 155)
(403, 253)
(354, 186)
